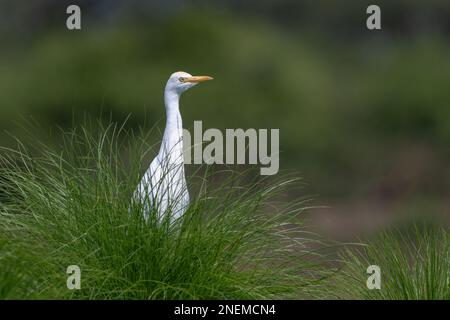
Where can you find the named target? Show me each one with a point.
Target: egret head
(182, 81)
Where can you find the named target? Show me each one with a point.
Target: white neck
(172, 143)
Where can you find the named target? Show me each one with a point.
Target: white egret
(163, 186)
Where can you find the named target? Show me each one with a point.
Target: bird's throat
(172, 143)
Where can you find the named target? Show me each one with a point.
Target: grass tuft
(414, 265)
(70, 205)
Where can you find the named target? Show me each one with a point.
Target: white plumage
(163, 186)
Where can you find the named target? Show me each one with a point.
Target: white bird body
(163, 187)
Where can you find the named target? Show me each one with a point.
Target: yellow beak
(197, 79)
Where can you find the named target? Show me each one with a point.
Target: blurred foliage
(366, 116)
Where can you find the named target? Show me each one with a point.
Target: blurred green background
(363, 115)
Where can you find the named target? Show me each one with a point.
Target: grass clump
(414, 265)
(72, 207)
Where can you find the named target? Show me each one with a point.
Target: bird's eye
(181, 79)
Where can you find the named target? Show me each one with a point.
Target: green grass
(241, 238)
(414, 264)
(238, 240)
